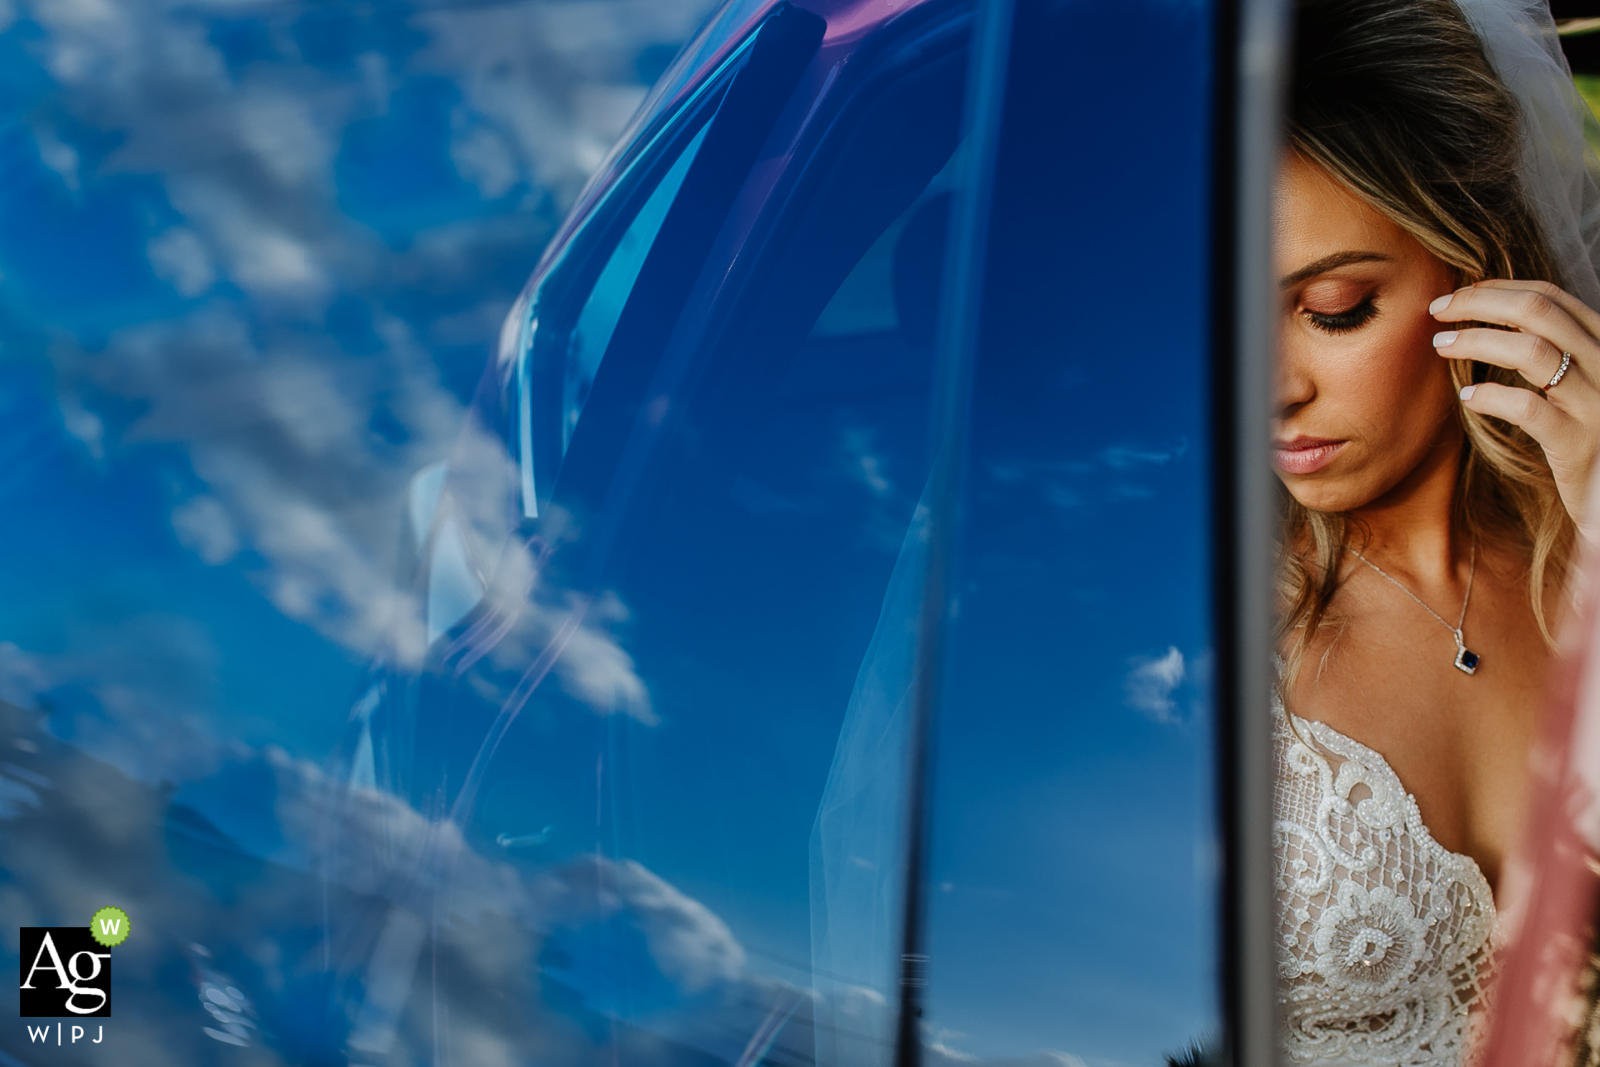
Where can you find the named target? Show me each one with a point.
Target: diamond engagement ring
(1566, 361)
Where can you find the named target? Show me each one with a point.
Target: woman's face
(1362, 397)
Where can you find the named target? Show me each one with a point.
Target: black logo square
(65, 972)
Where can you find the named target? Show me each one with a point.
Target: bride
(1437, 418)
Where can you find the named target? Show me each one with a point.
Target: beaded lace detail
(1386, 938)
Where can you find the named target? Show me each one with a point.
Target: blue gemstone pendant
(1466, 660)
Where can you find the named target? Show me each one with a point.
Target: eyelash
(1345, 321)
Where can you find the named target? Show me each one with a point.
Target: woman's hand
(1563, 419)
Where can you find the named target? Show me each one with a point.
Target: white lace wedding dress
(1386, 938)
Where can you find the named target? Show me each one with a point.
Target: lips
(1305, 455)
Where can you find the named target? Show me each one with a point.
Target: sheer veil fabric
(1560, 171)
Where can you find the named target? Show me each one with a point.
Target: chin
(1329, 494)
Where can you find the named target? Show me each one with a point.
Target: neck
(1411, 526)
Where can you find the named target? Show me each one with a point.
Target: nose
(1292, 384)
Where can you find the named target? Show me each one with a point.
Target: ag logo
(65, 971)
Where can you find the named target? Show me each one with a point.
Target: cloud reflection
(314, 275)
(1151, 682)
(404, 919)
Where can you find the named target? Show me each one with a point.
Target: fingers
(1530, 355)
(1556, 431)
(1586, 316)
(1532, 307)
(1544, 322)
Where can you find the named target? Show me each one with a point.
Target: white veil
(1560, 171)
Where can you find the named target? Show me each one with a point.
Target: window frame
(738, 107)
(578, 265)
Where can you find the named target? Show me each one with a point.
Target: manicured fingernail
(1440, 304)
(1445, 338)
(1467, 391)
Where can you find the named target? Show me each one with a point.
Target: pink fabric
(1549, 892)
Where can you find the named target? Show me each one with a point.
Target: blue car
(821, 653)
(841, 629)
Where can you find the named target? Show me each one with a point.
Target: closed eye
(1344, 321)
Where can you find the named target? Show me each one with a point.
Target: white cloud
(148, 676)
(281, 437)
(1064, 1059)
(58, 156)
(944, 1051)
(590, 664)
(1125, 457)
(277, 126)
(203, 525)
(264, 257)
(690, 944)
(483, 157)
(1151, 682)
(179, 258)
(862, 461)
(83, 424)
(556, 80)
(1067, 485)
(595, 669)
(297, 485)
(375, 844)
(602, 112)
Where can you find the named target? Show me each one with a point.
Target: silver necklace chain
(1466, 660)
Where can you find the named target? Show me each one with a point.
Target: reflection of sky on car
(1072, 818)
(252, 260)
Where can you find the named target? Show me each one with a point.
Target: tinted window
(586, 345)
(654, 784)
(583, 299)
(1074, 843)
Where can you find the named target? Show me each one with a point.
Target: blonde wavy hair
(1396, 100)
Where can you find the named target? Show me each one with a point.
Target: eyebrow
(1327, 263)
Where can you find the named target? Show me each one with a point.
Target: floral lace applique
(1386, 938)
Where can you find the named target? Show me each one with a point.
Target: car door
(863, 670)
(839, 634)
(690, 505)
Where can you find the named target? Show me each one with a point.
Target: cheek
(1387, 369)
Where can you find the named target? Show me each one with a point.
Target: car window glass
(677, 766)
(865, 300)
(587, 343)
(562, 338)
(1073, 879)
(737, 108)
